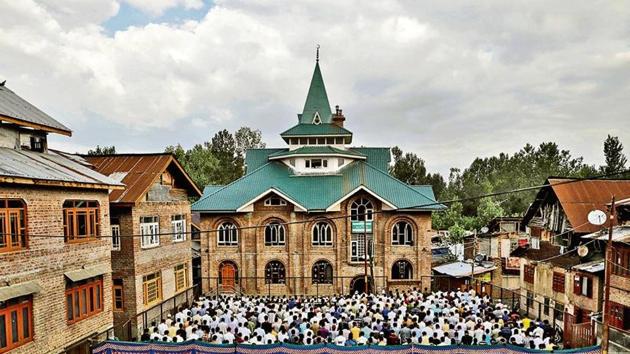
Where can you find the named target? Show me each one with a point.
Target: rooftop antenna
(317, 55)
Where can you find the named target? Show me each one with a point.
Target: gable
(142, 173)
(315, 193)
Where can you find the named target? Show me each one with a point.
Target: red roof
(578, 198)
(139, 172)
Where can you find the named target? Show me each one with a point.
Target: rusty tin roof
(138, 172)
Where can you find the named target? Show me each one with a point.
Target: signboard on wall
(359, 227)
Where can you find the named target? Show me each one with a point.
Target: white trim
(317, 120)
(334, 205)
(334, 154)
(245, 206)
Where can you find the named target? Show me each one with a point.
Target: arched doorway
(358, 285)
(228, 274)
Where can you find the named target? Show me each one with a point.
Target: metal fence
(133, 327)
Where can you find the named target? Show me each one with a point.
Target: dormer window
(37, 143)
(317, 120)
(275, 201)
(316, 163)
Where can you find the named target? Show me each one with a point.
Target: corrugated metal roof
(141, 172)
(15, 107)
(317, 150)
(379, 157)
(461, 269)
(314, 192)
(255, 158)
(591, 267)
(50, 166)
(620, 234)
(581, 197)
(324, 129)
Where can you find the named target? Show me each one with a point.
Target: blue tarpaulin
(115, 347)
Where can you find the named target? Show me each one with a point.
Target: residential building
(559, 211)
(308, 218)
(54, 238)
(151, 248)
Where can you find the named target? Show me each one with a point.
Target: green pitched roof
(316, 100)
(425, 189)
(211, 188)
(314, 192)
(322, 150)
(323, 129)
(254, 158)
(379, 157)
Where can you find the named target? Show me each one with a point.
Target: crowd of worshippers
(410, 317)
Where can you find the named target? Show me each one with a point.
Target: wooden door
(228, 273)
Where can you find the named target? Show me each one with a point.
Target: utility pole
(609, 259)
(472, 281)
(365, 256)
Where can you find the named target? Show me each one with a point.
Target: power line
(345, 216)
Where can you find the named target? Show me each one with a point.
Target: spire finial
(317, 55)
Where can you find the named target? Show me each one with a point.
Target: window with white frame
(116, 237)
(402, 234)
(274, 234)
(357, 247)
(316, 163)
(361, 210)
(275, 201)
(322, 234)
(227, 234)
(150, 231)
(178, 224)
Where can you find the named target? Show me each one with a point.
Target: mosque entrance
(358, 284)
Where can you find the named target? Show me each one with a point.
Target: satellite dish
(582, 251)
(597, 217)
(484, 230)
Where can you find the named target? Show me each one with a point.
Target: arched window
(274, 273)
(322, 273)
(402, 234)
(361, 210)
(402, 269)
(227, 234)
(274, 234)
(322, 234)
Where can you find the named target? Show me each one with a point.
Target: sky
(447, 80)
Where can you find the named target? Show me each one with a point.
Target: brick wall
(298, 254)
(133, 262)
(47, 259)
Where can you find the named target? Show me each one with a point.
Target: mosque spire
(316, 104)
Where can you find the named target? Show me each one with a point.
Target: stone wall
(46, 260)
(298, 254)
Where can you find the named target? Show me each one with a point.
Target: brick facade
(298, 255)
(48, 258)
(133, 262)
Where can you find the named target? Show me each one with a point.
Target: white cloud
(448, 81)
(157, 7)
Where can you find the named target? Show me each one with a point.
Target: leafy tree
(615, 159)
(410, 169)
(246, 138)
(221, 160)
(198, 162)
(105, 150)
